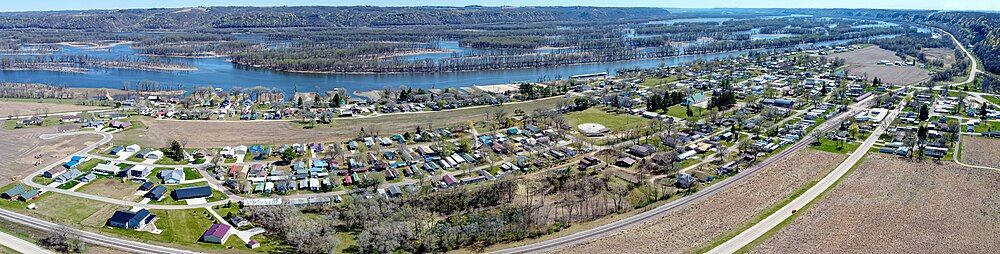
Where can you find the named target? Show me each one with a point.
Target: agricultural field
(18, 149)
(208, 134)
(23, 108)
(945, 55)
(613, 121)
(980, 151)
(864, 62)
(728, 210)
(891, 205)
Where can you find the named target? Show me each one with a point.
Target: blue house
(130, 220)
(156, 193)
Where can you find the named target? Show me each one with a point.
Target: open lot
(980, 151)
(23, 108)
(864, 62)
(200, 134)
(18, 149)
(112, 188)
(890, 205)
(699, 223)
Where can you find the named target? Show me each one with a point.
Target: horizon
(961, 5)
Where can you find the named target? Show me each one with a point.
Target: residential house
(172, 176)
(69, 175)
(13, 193)
(641, 150)
(131, 220)
(157, 193)
(139, 171)
(107, 169)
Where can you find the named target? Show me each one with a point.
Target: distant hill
(310, 16)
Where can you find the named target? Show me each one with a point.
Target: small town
(770, 143)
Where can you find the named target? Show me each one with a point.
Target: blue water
(218, 72)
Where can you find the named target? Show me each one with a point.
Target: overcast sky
(37, 5)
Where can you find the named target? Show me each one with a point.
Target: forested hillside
(311, 16)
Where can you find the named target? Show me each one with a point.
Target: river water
(218, 72)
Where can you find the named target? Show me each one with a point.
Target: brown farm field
(199, 134)
(696, 225)
(19, 147)
(25, 108)
(891, 205)
(946, 55)
(980, 151)
(864, 62)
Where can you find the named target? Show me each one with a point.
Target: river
(218, 72)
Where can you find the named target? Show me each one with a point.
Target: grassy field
(655, 82)
(680, 111)
(47, 121)
(987, 127)
(827, 145)
(992, 98)
(611, 120)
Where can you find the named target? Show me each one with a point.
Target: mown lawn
(611, 120)
(992, 98)
(680, 111)
(655, 82)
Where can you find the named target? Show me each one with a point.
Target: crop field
(864, 62)
(24, 108)
(945, 55)
(18, 149)
(891, 205)
(207, 134)
(980, 151)
(702, 221)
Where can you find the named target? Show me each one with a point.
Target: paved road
(106, 137)
(86, 236)
(20, 245)
(826, 183)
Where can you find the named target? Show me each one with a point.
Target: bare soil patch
(945, 55)
(18, 149)
(201, 134)
(980, 151)
(891, 205)
(864, 62)
(20, 108)
(699, 223)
